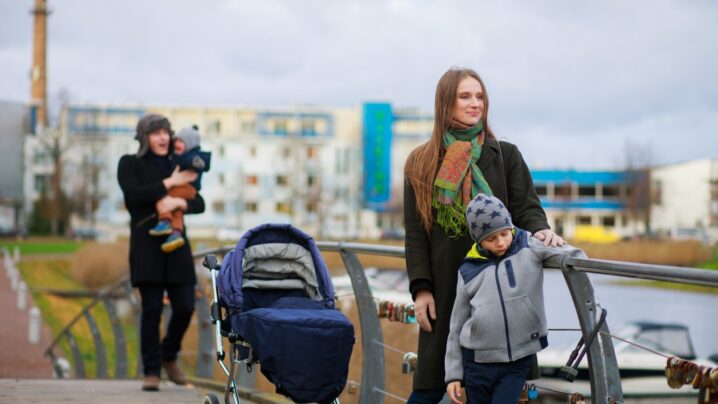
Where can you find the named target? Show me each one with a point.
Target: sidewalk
(18, 357)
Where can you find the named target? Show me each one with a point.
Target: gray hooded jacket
(499, 308)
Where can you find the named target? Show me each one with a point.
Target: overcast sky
(571, 83)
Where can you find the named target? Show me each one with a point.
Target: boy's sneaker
(163, 228)
(174, 241)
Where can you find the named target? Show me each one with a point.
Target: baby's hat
(190, 137)
(486, 214)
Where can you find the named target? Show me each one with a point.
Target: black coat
(433, 260)
(141, 181)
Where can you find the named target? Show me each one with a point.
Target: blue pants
(494, 383)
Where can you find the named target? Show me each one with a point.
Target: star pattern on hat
(479, 211)
(495, 214)
(488, 202)
(485, 226)
(507, 221)
(473, 225)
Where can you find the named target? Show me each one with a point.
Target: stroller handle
(210, 262)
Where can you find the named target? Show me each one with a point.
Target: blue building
(573, 198)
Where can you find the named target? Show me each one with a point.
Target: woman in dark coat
(145, 178)
(462, 158)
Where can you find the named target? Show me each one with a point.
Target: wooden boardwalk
(93, 391)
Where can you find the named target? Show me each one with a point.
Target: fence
(602, 364)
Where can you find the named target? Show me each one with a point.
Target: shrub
(96, 265)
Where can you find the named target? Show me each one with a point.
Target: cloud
(563, 72)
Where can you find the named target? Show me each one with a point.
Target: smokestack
(38, 75)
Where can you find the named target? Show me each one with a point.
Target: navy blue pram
(279, 308)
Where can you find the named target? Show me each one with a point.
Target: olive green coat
(433, 259)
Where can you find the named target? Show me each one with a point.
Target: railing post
(373, 372)
(120, 342)
(205, 350)
(602, 364)
(100, 355)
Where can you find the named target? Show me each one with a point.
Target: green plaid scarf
(455, 184)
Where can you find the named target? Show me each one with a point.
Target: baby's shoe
(174, 241)
(163, 228)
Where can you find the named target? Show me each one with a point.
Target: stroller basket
(279, 299)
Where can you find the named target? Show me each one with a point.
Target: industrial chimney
(38, 75)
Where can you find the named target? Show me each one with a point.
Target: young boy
(186, 155)
(498, 320)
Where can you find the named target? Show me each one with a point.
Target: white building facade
(685, 198)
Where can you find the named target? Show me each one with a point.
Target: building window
(583, 220)
(587, 191)
(608, 221)
(611, 191)
(286, 152)
(312, 152)
(252, 180)
(563, 191)
(218, 207)
(250, 206)
(541, 190)
(220, 178)
(281, 127)
(221, 151)
(312, 207)
(308, 128)
(214, 126)
(284, 207)
(252, 151)
(42, 182)
(282, 180)
(312, 180)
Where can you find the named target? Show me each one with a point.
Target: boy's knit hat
(189, 136)
(486, 214)
(149, 124)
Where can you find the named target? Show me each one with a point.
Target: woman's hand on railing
(425, 308)
(549, 238)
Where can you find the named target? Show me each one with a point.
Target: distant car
(84, 233)
(393, 234)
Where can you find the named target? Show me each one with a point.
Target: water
(625, 303)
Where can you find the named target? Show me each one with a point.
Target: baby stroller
(274, 301)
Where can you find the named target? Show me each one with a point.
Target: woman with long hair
(462, 158)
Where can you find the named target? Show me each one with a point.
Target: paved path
(18, 357)
(92, 391)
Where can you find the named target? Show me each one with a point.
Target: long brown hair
(423, 162)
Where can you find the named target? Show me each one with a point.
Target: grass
(42, 246)
(57, 312)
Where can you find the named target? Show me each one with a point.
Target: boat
(669, 339)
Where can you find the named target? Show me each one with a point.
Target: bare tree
(54, 142)
(639, 158)
(86, 196)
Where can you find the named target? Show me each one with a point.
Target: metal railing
(602, 364)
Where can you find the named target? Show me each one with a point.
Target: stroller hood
(274, 256)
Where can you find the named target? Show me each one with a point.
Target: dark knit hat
(149, 124)
(485, 215)
(189, 136)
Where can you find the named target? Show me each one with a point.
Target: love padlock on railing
(408, 363)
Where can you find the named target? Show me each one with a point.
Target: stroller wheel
(210, 398)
